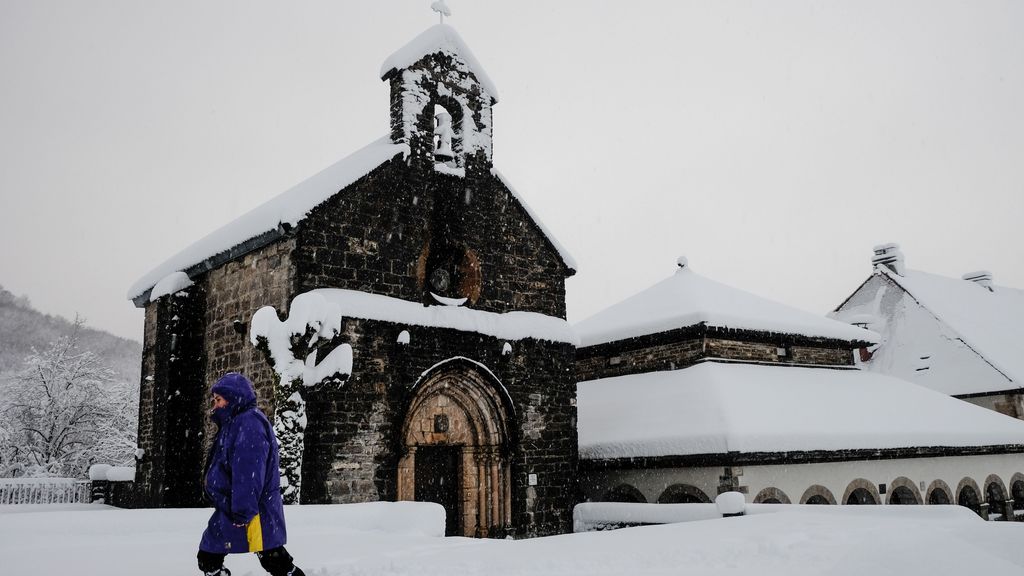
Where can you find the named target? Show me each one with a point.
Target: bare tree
(65, 411)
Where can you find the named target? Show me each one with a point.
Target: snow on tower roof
(289, 207)
(439, 38)
(687, 299)
(716, 408)
(991, 322)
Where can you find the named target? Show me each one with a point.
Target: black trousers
(277, 561)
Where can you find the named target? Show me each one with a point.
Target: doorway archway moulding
(461, 403)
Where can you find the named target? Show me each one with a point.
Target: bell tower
(441, 103)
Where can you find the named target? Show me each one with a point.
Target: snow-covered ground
(388, 538)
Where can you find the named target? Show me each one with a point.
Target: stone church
(415, 261)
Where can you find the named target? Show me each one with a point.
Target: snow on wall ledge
(508, 325)
(289, 207)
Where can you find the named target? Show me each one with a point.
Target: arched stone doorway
(771, 495)
(967, 495)
(624, 493)
(939, 493)
(903, 491)
(1017, 493)
(995, 495)
(860, 491)
(817, 495)
(902, 495)
(456, 448)
(683, 494)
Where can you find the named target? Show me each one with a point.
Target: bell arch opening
(456, 448)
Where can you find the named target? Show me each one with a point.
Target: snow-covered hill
(23, 328)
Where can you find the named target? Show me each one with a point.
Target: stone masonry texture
(383, 234)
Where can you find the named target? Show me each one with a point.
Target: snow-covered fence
(44, 491)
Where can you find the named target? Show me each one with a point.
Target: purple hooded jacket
(242, 477)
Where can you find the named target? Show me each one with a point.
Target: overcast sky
(772, 143)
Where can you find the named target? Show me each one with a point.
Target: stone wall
(1011, 404)
(172, 400)
(609, 362)
(769, 352)
(145, 471)
(373, 237)
(684, 347)
(236, 290)
(353, 439)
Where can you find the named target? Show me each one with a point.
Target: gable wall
(371, 238)
(915, 345)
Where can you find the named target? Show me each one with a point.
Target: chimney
(982, 277)
(890, 256)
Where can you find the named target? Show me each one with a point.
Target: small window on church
(440, 423)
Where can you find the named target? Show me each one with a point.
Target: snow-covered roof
(508, 325)
(687, 298)
(716, 408)
(990, 322)
(289, 207)
(439, 38)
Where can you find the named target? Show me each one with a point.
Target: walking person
(244, 483)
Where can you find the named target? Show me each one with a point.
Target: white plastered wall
(795, 479)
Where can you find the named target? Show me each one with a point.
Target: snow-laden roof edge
(289, 207)
(566, 256)
(171, 284)
(514, 325)
(438, 38)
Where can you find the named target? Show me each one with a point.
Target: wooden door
(437, 480)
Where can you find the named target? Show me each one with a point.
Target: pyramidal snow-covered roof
(716, 408)
(991, 322)
(439, 38)
(687, 299)
(289, 207)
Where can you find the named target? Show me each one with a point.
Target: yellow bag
(254, 534)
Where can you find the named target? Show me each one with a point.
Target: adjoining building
(959, 336)
(408, 312)
(692, 388)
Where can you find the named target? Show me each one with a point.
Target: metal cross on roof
(441, 8)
